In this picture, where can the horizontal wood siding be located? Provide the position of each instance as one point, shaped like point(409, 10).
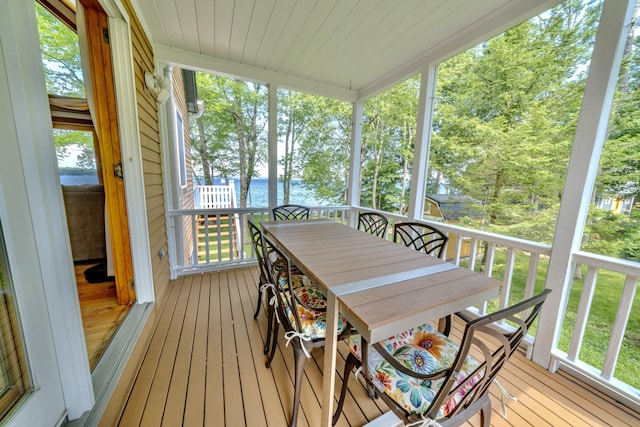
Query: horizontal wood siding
point(153, 186)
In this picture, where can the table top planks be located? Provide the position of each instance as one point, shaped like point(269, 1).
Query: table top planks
point(382, 286)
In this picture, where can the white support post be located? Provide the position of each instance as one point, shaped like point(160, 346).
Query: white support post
point(582, 170)
point(423, 142)
point(272, 166)
point(355, 161)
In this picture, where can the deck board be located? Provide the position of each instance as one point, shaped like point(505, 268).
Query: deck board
point(205, 366)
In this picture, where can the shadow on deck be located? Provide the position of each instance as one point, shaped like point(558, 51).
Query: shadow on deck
point(205, 366)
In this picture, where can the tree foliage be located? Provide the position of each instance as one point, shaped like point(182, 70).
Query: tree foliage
point(229, 139)
point(60, 55)
point(504, 122)
point(63, 76)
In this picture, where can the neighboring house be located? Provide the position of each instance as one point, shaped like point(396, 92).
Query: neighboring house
point(451, 207)
point(617, 204)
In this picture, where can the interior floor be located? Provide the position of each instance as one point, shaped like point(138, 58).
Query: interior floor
point(101, 314)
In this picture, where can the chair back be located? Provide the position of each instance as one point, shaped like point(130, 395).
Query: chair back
point(258, 248)
point(287, 212)
point(279, 274)
point(421, 237)
point(491, 340)
point(373, 223)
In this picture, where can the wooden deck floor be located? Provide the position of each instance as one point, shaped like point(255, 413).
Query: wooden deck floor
point(205, 366)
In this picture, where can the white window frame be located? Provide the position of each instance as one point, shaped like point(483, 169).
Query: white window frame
point(182, 166)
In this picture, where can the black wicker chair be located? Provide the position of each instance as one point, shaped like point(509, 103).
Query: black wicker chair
point(304, 332)
point(258, 248)
point(423, 376)
point(421, 237)
point(373, 223)
point(286, 212)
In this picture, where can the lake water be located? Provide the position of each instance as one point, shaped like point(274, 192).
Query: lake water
point(78, 179)
point(258, 190)
point(258, 193)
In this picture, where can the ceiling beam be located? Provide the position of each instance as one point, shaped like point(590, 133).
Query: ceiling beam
point(208, 64)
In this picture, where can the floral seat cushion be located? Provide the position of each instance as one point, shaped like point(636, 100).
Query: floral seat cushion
point(308, 294)
point(423, 350)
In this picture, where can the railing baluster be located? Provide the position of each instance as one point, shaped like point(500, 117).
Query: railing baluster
point(508, 277)
point(582, 315)
point(457, 249)
point(206, 238)
point(532, 275)
point(619, 326)
point(194, 239)
point(472, 254)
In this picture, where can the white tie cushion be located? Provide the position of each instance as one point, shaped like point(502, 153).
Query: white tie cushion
point(307, 293)
point(313, 317)
point(423, 350)
point(314, 323)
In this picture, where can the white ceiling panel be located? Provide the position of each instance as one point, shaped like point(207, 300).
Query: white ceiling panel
point(343, 46)
point(205, 13)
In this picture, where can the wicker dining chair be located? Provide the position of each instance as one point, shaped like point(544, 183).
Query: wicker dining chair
point(290, 211)
point(258, 249)
point(421, 237)
point(373, 223)
point(305, 328)
point(426, 378)
point(427, 239)
point(306, 294)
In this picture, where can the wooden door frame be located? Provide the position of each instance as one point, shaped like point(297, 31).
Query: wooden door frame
point(104, 104)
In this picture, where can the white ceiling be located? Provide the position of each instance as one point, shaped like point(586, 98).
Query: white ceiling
point(344, 48)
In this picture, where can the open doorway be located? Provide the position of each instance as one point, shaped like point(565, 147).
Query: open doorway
point(87, 150)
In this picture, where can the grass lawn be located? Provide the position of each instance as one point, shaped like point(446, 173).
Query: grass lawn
point(600, 320)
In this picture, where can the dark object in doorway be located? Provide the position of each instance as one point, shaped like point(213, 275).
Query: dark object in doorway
point(98, 273)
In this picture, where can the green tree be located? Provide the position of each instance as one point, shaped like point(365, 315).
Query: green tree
point(506, 112)
point(229, 139)
point(388, 138)
point(60, 55)
point(63, 77)
point(324, 151)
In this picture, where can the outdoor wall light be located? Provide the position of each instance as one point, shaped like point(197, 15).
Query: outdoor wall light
point(159, 85)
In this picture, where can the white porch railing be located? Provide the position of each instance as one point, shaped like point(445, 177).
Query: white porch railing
point(495, 255)
point(219, 197)
point(215, 196)
point(214, 245)
point(627, 273)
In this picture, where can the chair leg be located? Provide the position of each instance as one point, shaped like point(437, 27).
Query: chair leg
point(255, 315)
point(276, 326)
point(300, 360)
point(349, 364)
point(485, 412)
point(270, 322)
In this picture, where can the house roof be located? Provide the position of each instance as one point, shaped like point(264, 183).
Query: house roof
point(347, 49)
point(454, 207)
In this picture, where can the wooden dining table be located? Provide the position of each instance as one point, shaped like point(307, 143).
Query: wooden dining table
point(382, 288)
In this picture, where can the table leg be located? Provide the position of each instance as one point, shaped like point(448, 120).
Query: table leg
point(330, 350)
